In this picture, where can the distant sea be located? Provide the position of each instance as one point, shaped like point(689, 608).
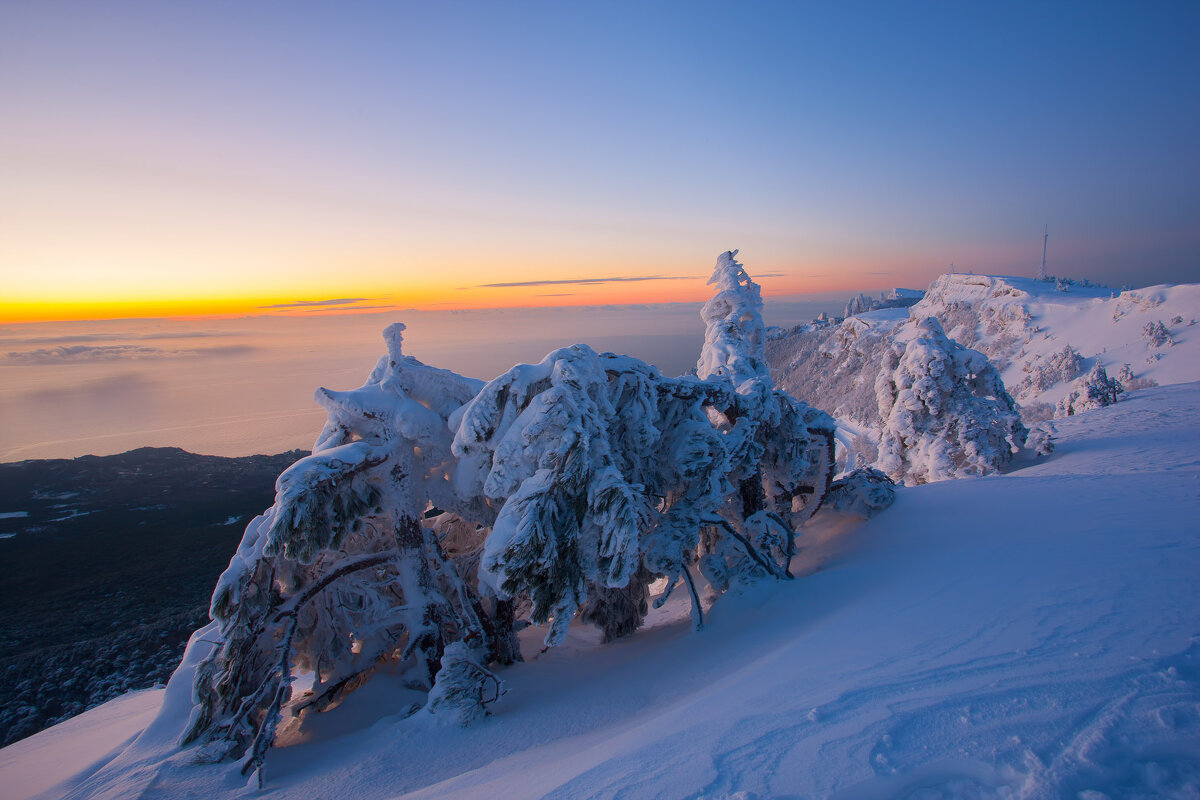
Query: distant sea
point(241, 386)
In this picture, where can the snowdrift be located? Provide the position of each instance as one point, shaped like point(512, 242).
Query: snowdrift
point(1027, 635)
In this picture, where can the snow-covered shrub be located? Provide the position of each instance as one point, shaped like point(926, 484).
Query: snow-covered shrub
point(1131, 382)
point(946, 412)
point(463, 689)
point(1041, 438)
point(1156, 334)
point(1094, 390)
point(1033, 413)
point(865, 491)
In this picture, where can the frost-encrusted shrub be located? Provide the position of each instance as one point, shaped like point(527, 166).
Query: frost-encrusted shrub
point(865, 491)
point(463, 689)
point(563, 487)
point(946, 412)
point(1156, 334)
point(1131, 382)
point(1041, 438)
point(1033, 413)
point(1094, 390)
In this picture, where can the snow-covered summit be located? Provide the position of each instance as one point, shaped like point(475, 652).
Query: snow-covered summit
point(1022, 324)
point(1043, 337)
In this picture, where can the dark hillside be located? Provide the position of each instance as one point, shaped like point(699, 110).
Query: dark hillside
point(106, 566)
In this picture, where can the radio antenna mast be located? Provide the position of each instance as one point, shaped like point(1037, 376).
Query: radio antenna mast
point(1045, 241)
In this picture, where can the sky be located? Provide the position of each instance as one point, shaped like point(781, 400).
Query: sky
point(302, 158)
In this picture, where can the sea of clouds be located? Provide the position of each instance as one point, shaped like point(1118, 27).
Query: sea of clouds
point(245, 385)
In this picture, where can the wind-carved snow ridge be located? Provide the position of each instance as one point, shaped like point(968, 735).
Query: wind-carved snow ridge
point(563, 489)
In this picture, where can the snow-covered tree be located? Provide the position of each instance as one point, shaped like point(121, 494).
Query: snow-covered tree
point(860, 304)
point(1094, 390)
point(945, 410)
point(1156, 334)
point(608, 473)
point(734, 333)
point(1130, 382)
point(603, 467)
point(1059, 366)
point(339, 577)
point(568, 485)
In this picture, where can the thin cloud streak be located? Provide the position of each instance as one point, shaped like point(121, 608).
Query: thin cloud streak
point(310, 303)
point(349, 310)
point(578, 281)
point(86, 354)
point(110, 337)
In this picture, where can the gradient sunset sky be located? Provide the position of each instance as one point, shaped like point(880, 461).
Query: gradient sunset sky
point(167, 158)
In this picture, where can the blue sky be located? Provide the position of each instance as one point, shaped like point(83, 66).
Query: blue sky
point(362, 149)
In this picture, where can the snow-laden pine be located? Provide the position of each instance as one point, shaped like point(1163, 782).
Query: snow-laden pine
point(1094, 390)
point(945, 411)
point(435, 508)
point(607, 473)
point(339, 577)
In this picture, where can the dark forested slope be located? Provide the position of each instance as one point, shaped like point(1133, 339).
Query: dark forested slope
point(106, 567)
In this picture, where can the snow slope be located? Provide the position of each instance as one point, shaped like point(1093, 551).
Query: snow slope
point(1028, 635)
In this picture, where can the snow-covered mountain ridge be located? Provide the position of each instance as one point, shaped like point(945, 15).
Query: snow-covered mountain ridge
point(1021, 324)
point(1040, 338)
point(1047, 651)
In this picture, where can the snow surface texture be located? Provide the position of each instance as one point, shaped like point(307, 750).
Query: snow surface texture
point(1032, 635)
point(1041, 340)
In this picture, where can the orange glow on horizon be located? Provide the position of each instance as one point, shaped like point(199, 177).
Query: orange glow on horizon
point(538, 290)
point(60, 310)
